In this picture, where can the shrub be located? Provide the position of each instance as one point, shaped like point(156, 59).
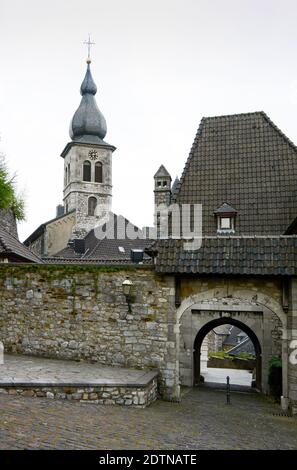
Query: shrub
point(8, 197)
point(275, 376)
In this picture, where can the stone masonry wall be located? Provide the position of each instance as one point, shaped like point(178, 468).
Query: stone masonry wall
point(136, 397)
point(80, 312)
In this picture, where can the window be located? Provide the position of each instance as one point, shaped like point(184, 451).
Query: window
point(66, 177)
point(225, 223)
point(225, 215)
point(68, 173)
point(92, 203)
point(98, 172)
point(87, 171)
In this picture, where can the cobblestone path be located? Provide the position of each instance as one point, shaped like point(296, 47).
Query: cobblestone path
point(201, 421)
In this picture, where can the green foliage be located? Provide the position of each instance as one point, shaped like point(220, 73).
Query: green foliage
point(275, 361)
point(8, 197)
point(245, 355)
point(224, 355)
point(220, 354)
point(275, 376)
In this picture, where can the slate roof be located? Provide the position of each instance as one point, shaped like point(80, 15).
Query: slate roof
point(105, 251)
point(225, 209)
point(162, 172)
point(261, 255)
point(231, 340)
point(244, 346)
point(245, 160)
point(14, 250)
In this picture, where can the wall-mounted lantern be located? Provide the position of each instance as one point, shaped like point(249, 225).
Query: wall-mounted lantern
point(127, 290)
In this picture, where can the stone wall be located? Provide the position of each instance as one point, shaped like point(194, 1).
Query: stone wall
point(136, 397)
point(80, 312)
point(253, 302)
point(291, 369)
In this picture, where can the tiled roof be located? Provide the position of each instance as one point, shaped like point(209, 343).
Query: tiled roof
point(245, 346)
point(245, 160)
point(225, 209)
point(162, 172)
point(261, 255)
point(108, 250)
point(14, 250)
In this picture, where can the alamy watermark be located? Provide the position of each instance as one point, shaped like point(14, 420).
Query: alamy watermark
point(293, 354)
point(174, 221)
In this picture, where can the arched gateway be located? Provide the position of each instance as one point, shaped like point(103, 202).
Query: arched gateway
point(260, 316)
point(222, 320)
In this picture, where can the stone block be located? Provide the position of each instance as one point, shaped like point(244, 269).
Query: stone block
point(28, 393)
point(1, 353)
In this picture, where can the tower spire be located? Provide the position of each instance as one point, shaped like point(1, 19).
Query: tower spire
point(88, 123)
point(89, 43)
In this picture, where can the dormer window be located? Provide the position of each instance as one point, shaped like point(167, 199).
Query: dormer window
point(225, 217)
point(225, 223)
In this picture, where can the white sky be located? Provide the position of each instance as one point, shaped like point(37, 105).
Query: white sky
point(160, 65)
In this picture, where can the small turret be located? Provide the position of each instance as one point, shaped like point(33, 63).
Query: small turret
point(162, 186)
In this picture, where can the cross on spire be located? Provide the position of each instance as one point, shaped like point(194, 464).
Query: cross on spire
point(89, 43)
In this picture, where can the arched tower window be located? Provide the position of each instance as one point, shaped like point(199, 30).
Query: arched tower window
point(98, 172)
point(66, 176)
point(87, 171)
point(68, 173)
point(92, 203)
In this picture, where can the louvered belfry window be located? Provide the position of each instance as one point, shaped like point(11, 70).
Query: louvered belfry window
point(87, 171)
point(98, 172)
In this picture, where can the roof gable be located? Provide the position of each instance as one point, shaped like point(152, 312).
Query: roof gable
point(246, 160)
point(14, 250)
point(162, 172)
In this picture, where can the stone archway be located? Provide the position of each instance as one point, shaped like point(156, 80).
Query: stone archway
point(254, 310)
point(223, 321)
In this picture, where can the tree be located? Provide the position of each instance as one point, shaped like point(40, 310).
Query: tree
point(8, 196)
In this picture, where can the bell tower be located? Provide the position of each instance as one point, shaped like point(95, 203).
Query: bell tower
point(87, 162)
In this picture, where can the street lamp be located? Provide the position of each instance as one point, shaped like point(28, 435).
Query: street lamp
point(127, 290)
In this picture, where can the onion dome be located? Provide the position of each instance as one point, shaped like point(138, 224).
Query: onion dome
point(88, 123)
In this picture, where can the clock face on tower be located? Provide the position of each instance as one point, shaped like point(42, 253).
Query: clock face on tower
point(93, 155)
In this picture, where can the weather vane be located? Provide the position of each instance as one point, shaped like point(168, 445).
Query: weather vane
point(89, 43)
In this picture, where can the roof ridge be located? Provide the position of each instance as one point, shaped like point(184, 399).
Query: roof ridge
point(281, 133)
point(190, 156)
point(251, 113)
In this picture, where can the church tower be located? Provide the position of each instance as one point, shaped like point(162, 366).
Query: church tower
point(87, 163)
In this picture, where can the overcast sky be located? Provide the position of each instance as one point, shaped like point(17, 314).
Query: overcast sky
point(159, 65)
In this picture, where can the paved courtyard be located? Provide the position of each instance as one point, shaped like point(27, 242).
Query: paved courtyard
point(201, 421)
point(33, 370)
point(238, 377)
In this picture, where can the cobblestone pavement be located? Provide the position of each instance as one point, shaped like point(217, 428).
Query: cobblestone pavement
point(201, 421)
